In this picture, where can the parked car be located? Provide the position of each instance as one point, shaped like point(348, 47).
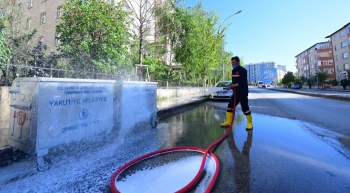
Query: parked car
point(260, 84)
point(221, 93)
point(295, 86)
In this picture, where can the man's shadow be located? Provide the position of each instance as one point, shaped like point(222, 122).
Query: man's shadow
point(241, 170)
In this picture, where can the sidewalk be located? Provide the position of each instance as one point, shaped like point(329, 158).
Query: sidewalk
point(327, 93)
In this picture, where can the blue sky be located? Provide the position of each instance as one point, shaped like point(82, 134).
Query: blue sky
point(277, 30)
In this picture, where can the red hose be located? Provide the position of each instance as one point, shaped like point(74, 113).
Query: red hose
point(195, 180)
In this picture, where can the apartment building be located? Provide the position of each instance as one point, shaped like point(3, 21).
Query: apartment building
point(340, 40)
point(316, 58)
point(267, 72)
point(44, 15)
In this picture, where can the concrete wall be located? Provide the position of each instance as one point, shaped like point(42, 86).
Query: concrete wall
point(4, 115)
point(163, 93)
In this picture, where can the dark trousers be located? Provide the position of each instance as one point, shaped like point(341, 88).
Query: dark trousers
point(242, 99)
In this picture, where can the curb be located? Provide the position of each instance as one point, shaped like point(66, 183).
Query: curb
point(175, 109)
point(336, 97)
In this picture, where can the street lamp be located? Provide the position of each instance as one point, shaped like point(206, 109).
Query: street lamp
point(222, 46)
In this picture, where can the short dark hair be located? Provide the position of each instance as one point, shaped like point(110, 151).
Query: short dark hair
point(236, 58)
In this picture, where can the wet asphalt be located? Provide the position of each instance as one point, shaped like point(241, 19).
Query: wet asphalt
point(278, 155)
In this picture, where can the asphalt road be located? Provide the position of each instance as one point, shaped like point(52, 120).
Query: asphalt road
point(281, 154)
point(331, 114)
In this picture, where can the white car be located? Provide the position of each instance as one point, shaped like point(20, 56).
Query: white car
point(221, 93)
point(260, 84)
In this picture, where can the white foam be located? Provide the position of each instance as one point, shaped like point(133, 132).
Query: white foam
point(167, 178)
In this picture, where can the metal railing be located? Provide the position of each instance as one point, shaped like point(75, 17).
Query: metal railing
point(164, 84)
point(35, 71)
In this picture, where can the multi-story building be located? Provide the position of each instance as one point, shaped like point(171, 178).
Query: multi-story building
point(316, 58)
point(340, 40)
point(267, 72)
point(44, 15)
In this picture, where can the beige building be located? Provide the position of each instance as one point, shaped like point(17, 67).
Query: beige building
point(340, 40)
point(44, 15)
point(315, 58)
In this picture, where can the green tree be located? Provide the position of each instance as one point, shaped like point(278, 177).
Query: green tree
point(303, 79)
point(5, 51)
point(15, 37)
point(321, 77)
point(94, 36)
point(288, 78)
point(156, 68)
point(228, 65)
point(200, 52)
point(172, 22)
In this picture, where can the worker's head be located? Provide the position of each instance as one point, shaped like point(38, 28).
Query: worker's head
point(235, 61)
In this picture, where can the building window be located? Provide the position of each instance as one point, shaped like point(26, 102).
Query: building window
point(345, 55)
point(334, 37)
point(18, 26)
point(349, 40)
point(57, 41)
point(59, 12)
point(30, 3)
point(336, 57)
point(41, 39)
point(20, 7)
point(348, 29)
point(148, 24)
point(43, 0)
point(28, 23)
point(148, 5)
point(126, 8)
point(342, 33)
point(346, 66)
point(343, 44)
point(42, 18)
point(335, 47)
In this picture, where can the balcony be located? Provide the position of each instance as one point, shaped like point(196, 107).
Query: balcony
point(324, 46)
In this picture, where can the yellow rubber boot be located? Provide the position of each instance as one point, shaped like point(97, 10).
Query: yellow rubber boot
point(229, 116)
point(249, 122)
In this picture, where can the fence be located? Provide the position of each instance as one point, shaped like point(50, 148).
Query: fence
point(34, 71)
point(164, 83)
